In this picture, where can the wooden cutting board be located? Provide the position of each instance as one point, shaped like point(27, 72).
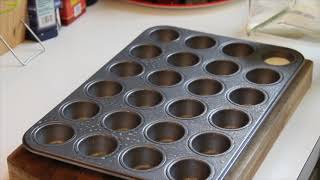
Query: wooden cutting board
point(11, 29)
point(24, 165)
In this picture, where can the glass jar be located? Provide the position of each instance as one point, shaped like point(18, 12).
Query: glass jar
point(289, 18)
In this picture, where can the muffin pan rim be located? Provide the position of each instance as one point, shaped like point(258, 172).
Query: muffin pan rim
point(191, 80)
point(77, 100)
point(211, 36)
point(76, 145)
point(91, 83)
point(149, 125)
point(199, 59)
point(38, 128)
point(229, 108)
point(170, 102)
point(162, 86)
point(151, 146)
point(113, 64)
point(194, 136)
point(204, 67)
point(164, 28)
point(170, 164)
point(105, 115)
point(263, 84)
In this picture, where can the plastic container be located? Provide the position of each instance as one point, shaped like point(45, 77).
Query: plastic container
point(71, 10)
point(290, 18)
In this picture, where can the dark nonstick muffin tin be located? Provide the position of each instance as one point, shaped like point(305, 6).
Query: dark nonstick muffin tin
point(174, 104)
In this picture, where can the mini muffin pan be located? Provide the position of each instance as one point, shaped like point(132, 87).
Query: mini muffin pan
point(174, 104)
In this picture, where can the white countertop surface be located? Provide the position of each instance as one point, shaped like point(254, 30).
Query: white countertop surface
point(28, 93)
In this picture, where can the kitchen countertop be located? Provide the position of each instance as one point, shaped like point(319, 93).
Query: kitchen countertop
point(28, 93)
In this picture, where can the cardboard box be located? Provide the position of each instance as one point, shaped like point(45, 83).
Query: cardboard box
point(11, 29)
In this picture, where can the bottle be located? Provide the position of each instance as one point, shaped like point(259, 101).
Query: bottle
point(57, 5)
point(42, 19)
point(91, 2)
point(71, 10)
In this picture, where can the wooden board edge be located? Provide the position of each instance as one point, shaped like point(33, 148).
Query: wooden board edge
point(47, 169)
point(251, 159)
